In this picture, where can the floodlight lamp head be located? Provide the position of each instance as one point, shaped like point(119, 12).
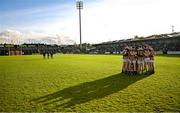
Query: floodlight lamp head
point(79, 4)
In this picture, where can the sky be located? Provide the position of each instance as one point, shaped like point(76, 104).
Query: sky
point(102, 20)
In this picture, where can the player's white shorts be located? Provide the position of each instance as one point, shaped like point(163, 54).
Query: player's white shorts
point(125, 60)
point(129, 61)
point(147, 60)
point(134, 61)
point(140, 62)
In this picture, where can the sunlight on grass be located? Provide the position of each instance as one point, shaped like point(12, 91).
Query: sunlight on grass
point(86, 83)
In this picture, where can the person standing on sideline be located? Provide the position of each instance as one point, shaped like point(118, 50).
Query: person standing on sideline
point(51, 53)
point(48, 54)
point(44, 54)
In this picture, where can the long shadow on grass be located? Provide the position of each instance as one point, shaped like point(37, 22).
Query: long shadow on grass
point(87, 91)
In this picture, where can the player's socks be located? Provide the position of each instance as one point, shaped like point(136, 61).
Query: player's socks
point(122, 71)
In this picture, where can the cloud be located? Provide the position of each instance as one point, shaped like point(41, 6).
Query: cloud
point(10, 36)
point(17, 37)
point(118, 19)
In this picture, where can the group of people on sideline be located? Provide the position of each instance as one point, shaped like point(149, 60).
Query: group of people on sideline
point(138, 60)
point(48, 53)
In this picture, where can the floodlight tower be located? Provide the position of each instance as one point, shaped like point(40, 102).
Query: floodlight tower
point(79, 5)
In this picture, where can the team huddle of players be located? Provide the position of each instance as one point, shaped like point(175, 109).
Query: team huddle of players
point(138, 60)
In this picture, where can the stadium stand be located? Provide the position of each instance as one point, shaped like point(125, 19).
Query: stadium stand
point(163, 43)
point(27, 49)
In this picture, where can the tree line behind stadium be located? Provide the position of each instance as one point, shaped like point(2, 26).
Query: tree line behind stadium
point(163, 44)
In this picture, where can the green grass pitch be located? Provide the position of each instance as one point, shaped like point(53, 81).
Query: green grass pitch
point(86, 83)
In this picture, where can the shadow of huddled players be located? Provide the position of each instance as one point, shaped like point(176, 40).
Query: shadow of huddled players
point(87, 91)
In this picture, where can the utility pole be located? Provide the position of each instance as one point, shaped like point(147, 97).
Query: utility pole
point(79, 5)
